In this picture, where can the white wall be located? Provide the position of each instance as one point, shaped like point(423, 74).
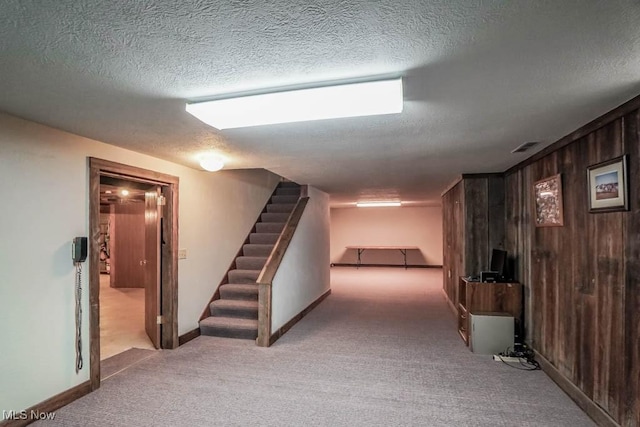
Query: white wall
point(303, 275)
point(44, 194)
point(390, 226)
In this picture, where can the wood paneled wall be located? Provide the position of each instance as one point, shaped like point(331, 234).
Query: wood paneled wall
point(453, 240)
point(474, 224)
point(582, 280)
point(485, 220)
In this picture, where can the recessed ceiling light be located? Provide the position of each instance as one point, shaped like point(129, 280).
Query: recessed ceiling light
point(378, 204)
point(211, 162)
point(124, 192)
point(108, 191)
point(326, 102)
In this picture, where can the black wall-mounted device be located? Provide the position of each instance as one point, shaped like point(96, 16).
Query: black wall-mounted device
point(79, 249)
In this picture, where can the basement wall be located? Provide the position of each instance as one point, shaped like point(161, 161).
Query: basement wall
point(582, 280)
point(391, 226)
point(303, 275)
point(44, 193)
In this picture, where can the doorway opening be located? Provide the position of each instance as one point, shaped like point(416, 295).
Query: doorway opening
point(133, 252)
point(124, 215)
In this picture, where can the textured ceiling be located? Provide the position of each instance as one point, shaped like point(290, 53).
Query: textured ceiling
point(480, 76)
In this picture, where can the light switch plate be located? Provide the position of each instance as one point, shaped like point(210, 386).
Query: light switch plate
point(182, 254)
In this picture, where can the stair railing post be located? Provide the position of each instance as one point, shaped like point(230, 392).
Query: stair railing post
point(264, 315)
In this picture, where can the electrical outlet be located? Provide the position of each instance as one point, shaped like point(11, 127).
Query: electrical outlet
point(507, 359)
point(182, 254)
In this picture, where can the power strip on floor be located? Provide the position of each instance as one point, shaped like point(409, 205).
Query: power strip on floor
point(508, 359)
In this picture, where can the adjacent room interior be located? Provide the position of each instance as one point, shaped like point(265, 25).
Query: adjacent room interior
point(122, 253)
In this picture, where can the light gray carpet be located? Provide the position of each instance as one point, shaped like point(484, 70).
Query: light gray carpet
point(122, 361)
point(382, 350)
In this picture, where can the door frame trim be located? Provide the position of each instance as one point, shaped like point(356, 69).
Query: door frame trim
point(169, 254)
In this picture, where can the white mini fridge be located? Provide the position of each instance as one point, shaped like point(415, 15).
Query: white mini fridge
point(491, 333)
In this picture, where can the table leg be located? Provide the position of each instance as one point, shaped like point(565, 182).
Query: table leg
point(359, 260)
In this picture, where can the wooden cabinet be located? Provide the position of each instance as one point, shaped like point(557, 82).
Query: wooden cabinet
point(479, 297)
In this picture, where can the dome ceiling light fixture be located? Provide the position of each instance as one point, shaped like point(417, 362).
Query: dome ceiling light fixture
point(211, 162)
point(317, 103)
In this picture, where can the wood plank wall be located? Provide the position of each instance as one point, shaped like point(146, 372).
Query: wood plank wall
point(473, 225)
point(452, 239)
point(582, 280)
point(631, 403)
point(485, 220)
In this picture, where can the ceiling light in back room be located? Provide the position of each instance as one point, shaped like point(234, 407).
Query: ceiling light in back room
point(378, 204)
point(318, 103)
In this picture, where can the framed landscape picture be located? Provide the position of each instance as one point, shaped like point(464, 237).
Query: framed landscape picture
point(608, 185)
point(548, 202)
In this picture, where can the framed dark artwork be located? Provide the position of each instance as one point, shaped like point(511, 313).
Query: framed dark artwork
point(607, 181)
point(548, 202)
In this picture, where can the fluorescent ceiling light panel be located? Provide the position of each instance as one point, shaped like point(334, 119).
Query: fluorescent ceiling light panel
point(330, 102)
point(378, 204)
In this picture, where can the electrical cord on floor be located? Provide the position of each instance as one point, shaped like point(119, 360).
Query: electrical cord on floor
point(526, 358)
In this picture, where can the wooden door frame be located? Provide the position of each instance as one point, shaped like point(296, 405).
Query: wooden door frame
point(169, 254)
point(153, 218)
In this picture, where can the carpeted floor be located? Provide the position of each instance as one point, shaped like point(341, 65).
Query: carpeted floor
point(121, 361)
point(382, 350)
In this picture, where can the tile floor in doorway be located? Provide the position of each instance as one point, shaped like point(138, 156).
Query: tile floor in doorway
point(121, 319)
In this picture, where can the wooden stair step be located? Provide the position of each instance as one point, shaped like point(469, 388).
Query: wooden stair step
point(239, 291)
point(264, 238)
point(243, 276)
point(257, 249)
point(234, 308)
point(251, 262)
point(284, 199)
point(274, 217)
point(229, 327)
point(280, 207)
point(270, 227)
point(288, 191)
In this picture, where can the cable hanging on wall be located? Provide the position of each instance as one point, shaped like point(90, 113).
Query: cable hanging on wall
point(79, 255)
point(78, 341)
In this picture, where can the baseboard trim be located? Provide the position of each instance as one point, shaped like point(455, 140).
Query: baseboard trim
point(339, 264)
point(280, 332)
point(594, 411)
point(188, 336)
point(452, 306)
point(47, 407)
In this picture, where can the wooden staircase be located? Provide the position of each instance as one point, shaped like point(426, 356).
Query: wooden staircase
point(235, 313)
